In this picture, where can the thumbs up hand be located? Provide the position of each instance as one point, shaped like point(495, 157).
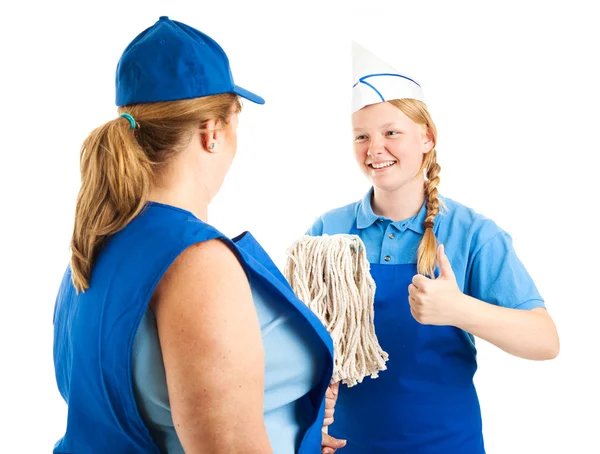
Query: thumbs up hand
point(434, 301)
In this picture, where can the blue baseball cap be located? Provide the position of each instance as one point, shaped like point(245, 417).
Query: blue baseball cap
point(171, 61)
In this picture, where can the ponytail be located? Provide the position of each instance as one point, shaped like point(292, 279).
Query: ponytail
point(116, 176)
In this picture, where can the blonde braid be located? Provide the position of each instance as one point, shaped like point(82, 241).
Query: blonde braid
point(427, 253)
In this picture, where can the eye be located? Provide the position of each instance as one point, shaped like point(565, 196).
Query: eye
point(392, 133)
point(360, 138)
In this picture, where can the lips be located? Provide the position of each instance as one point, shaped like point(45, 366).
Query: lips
point(381, 164)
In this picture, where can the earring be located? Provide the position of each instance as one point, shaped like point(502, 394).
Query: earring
point(211, 146)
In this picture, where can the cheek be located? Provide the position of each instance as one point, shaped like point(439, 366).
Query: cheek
point(233, 143)
point(407, 152)
point(360, 153)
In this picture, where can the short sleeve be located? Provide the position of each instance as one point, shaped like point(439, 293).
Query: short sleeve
point(316, 229)
point(497, 276)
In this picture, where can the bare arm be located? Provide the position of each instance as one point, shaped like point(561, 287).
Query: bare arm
point(212, 351)
point(529, 334)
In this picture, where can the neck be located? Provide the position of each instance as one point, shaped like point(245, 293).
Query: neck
point(183, 189)
point(400, 203)
point(197, 205)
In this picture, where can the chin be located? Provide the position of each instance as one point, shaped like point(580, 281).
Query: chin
point(388, 186)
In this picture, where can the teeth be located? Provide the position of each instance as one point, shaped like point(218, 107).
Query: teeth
point(381, 165)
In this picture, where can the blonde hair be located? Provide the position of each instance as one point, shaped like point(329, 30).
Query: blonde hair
point(119, 166)
point(427, 253)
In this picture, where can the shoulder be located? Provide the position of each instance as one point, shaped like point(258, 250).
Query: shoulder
point(465, 224)
point(164, 224)
point(207, 262)
point(165, 238)
point(337, 220)
point(208, 268)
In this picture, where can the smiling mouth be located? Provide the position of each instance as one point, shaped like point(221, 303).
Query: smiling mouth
point(381, 165)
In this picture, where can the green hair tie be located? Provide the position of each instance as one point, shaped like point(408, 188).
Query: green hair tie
point(132, 123)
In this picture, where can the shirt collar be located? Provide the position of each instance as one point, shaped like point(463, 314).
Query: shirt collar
point(416, 223)
point(365, 217)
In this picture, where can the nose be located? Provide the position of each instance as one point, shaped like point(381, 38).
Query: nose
point(376, 146)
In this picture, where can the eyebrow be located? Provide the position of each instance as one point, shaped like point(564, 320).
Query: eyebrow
point(385, 126)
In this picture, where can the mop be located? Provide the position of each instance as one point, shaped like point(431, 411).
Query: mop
point(330, 274)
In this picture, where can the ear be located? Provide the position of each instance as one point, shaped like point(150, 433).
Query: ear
point(428, 142)
point(209, 136)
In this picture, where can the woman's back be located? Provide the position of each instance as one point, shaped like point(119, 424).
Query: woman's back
point(104, 319)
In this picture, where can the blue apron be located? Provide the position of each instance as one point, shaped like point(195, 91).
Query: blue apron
point(425, 402)
point(94, 333)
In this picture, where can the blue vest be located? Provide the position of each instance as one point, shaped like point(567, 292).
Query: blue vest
point(94, 331)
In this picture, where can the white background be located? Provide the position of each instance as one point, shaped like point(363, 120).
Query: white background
point(512, 87)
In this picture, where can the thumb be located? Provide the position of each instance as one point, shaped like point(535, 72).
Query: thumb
point(445, 267)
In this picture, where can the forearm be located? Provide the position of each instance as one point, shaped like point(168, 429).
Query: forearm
point(529, 334)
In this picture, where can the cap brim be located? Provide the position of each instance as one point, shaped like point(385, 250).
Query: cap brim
point(248, 95)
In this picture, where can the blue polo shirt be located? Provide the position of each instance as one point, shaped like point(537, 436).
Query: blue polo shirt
point(481, 253)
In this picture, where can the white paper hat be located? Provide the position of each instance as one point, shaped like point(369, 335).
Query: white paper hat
point(376, 81)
